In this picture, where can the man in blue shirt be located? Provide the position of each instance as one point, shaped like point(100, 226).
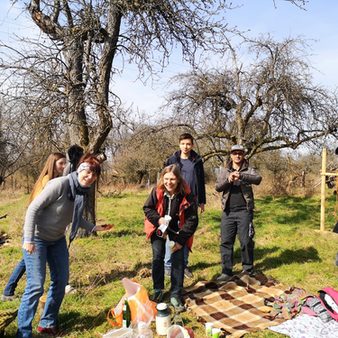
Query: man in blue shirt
point(192, 170)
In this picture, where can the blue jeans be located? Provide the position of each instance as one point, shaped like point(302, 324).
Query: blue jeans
point(55, 253)
point(167, 257)
point(16, 275)
point(177, 267)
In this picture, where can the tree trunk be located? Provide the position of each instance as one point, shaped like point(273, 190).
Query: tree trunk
point(78, 129)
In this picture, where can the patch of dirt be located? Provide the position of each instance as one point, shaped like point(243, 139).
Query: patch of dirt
point(144, 273)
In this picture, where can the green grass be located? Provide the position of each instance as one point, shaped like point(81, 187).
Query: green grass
point(289, 247)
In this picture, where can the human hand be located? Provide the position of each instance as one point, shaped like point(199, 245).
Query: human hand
point(164, 220)
point(233, 176)
point(202, 207)
point(29, 247)
point(103, 227)
point(176, 247)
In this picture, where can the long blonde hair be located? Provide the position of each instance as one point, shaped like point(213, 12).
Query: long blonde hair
point(48, 170)
point(172, 168)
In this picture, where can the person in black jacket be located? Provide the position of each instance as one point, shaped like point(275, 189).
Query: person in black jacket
point(235, 183)
point(74, 153)
point(171, 212)
point(192, 170)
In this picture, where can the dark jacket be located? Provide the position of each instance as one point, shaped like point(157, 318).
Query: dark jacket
point(182, 208)
point(248, 176)
point(198, 171)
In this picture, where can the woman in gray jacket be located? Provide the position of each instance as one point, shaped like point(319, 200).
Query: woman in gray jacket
point(60, 203)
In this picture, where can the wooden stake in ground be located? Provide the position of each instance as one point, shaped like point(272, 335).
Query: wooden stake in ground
point(322, 191)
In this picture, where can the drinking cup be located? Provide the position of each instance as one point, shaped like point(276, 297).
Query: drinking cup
point(208, 329)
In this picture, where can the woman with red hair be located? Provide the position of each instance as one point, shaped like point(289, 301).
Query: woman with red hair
point(61, 202)
point(53, 168)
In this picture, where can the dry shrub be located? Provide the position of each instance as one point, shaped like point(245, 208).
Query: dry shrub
point(288, 174)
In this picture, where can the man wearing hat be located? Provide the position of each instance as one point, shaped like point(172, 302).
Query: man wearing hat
point(235, 183)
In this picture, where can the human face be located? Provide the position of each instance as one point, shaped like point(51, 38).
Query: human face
point(86, 178)
point(185, 147)
point(170, 182)
point(59, 166)
point(237, 157)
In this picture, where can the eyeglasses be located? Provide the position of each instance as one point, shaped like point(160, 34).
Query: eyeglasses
point(237, 153)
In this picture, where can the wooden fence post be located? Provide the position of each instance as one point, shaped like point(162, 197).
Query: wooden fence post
point(322, 191)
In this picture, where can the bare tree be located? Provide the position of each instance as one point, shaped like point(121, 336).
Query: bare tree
point(66, 73)
point(27, 135)
point(74, 65)
point(143, 152)
point(266, 104)
point(299, 3)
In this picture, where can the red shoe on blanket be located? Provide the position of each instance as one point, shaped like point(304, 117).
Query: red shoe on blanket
point(51, 331)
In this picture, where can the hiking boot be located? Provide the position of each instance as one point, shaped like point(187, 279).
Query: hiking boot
point(50, 331)
point(157, 297)
point(223, 277)
point(250, 272)
point(5, 298)
point(177, 304)
point(188, 273)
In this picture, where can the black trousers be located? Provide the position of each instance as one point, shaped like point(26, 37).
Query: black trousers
point(233, 223)
point(177, 267)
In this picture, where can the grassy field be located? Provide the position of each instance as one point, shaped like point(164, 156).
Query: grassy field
point(289, 247)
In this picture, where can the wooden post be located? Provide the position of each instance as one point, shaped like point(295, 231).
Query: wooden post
point(322, 192)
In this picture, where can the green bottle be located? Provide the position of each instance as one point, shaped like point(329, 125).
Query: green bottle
point(126, 315)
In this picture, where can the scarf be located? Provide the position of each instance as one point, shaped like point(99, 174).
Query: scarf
point(77, 193)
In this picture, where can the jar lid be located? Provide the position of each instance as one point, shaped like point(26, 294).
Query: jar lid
point(162, 306)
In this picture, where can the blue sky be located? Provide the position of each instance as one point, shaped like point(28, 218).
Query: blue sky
point(318, 23)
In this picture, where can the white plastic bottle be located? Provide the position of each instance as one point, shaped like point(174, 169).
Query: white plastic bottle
point(162, 319)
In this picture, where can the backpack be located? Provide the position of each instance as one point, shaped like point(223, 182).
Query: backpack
point(331, 309)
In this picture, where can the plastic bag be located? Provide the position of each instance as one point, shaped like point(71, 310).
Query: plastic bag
point(177, 331)
point(143, 331)
point(142, 309)
point(119, 333)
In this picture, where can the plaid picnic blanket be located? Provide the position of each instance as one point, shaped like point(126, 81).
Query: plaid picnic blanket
point(236, 306)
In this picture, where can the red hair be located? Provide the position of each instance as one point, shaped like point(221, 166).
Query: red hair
point(94, 163)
